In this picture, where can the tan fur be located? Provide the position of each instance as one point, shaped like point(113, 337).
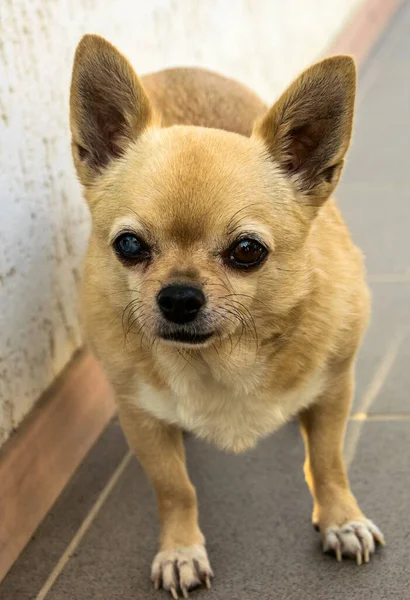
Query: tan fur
point(287, 332)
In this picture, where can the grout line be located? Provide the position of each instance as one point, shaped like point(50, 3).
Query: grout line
point(380, 417)
point(373, 67)
point(85, 525)
point(370, 395)
point(381, 374)
point(389, 278)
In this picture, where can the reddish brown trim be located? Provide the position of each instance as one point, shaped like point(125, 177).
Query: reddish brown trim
point(37, 462)
point(363, 28)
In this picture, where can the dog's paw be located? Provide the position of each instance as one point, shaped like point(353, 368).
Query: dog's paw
point(357, 539)
point(181, 570)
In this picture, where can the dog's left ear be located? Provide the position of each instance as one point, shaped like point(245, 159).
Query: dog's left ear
point(307, 132)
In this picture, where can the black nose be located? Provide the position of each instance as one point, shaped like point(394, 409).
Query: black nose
point(180, 303)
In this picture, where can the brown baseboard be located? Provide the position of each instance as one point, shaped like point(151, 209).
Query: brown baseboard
point(363, 28)
point(37, 462)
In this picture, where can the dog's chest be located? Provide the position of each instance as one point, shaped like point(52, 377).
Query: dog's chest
point(231, 418)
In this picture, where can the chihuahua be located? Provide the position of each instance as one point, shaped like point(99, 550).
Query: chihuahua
point(221, 292)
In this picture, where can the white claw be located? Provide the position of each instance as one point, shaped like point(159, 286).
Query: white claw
point(376, 533)
point(174, 593)
point(356, 539)
point(184, 592)
point(181, 569)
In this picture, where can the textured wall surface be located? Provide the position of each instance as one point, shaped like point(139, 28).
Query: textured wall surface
point(43, 222)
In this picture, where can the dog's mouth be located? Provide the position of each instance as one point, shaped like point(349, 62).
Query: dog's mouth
point(186, 337)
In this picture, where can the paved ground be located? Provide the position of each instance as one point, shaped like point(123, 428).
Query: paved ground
point(255, 510)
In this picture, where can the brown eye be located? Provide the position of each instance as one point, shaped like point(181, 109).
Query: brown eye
point(247, 253)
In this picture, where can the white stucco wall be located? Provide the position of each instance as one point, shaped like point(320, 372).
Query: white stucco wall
point(43, 222)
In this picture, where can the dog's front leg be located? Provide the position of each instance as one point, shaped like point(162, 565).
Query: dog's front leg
point(344, 528)
point(182, 562)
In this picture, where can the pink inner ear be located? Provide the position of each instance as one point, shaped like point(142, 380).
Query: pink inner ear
point(113, 131)
point(302, 141)
point(110, 121)
point(103, 129)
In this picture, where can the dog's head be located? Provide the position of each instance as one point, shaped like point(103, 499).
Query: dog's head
point(199, 234)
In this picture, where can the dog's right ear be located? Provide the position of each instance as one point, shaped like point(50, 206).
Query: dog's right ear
point(108, 107)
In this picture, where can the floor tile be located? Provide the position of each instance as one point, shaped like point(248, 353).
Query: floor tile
point(389, 327)
point(255, 511)
point(27, 576)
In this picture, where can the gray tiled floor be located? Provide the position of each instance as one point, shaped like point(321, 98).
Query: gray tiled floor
point(255, 509)
point(375, 189)
point(390, 325)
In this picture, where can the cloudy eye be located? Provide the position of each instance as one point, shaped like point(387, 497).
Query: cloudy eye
point(246, 253)
point(130, 248)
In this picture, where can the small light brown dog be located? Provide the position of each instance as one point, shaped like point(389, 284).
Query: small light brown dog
point(222, 292)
